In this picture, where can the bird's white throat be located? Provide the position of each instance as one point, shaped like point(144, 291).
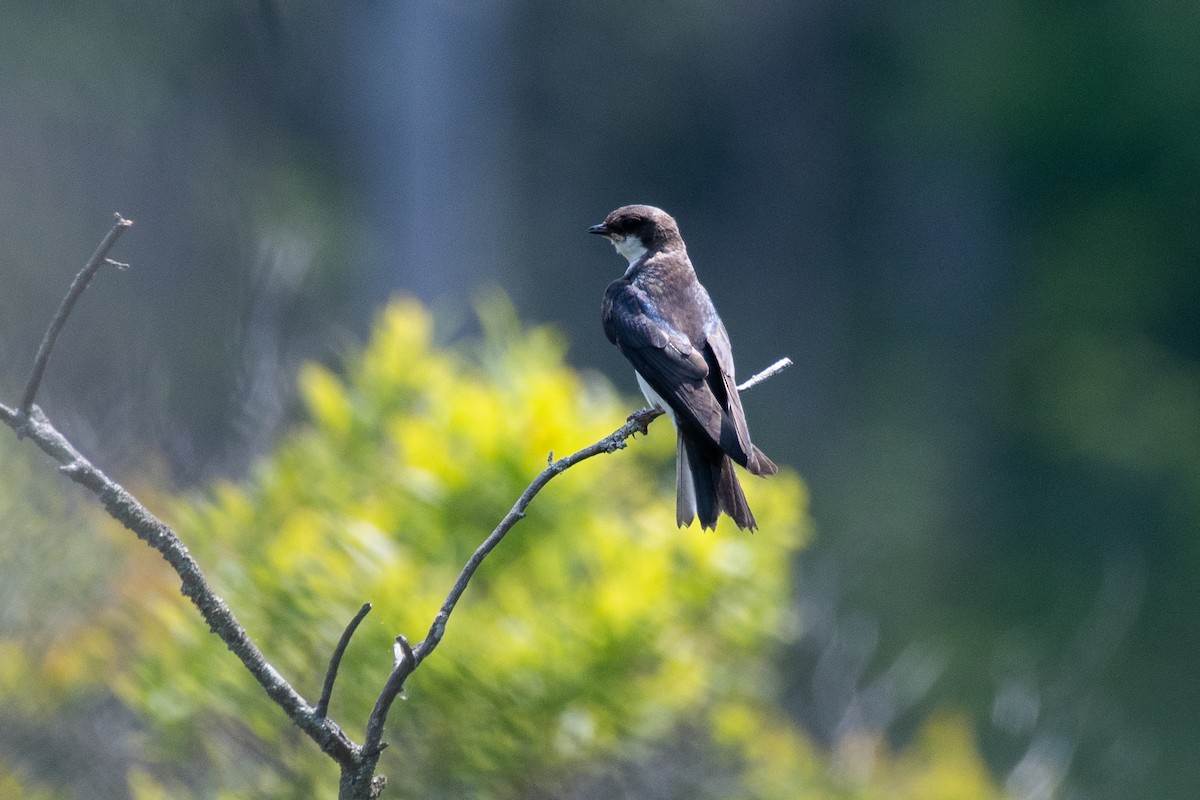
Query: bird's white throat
point(629, 246)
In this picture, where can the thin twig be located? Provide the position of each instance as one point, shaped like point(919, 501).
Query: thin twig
point(98, 259)
point(770, 372)
point(336, 660)
point(609, 444)
point(412, 657)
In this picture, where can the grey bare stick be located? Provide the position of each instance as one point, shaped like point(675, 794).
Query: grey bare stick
point(98, 259)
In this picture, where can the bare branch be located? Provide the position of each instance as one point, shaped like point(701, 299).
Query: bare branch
point(411, 658)
point(638, 422)
point(334, 662)
point(98, 259)
point(125, 508)
point(609, 444)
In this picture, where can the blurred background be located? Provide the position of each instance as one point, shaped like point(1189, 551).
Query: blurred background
point(972, 226)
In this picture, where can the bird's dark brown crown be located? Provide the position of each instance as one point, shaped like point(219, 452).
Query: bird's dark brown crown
point(652, 226)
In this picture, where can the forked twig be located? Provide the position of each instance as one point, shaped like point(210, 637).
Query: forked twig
point(98, 259)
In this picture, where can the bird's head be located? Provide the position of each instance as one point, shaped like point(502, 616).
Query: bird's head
point(634, 230)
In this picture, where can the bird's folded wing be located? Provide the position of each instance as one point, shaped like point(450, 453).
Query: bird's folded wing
point(735, 417)
point(665, 358)
point(663, 355)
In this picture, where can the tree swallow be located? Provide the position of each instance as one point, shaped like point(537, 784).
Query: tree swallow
point(661, 318)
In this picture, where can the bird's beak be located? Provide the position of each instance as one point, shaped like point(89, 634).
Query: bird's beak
point(600, 229)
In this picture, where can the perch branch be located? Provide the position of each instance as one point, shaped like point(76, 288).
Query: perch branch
point(98, 259)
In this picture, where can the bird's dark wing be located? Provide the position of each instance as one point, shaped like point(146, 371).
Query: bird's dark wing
point(665, 358)
point(735, 434)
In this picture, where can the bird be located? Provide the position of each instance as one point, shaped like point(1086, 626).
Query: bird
point(663, 321)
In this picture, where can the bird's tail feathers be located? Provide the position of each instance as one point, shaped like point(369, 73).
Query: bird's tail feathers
point(706, 485)
point(730, 496)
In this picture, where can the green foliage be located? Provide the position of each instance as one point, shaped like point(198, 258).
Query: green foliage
point(60, 640)
point(13, 785)
point(41, 627)
point(597, 633)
